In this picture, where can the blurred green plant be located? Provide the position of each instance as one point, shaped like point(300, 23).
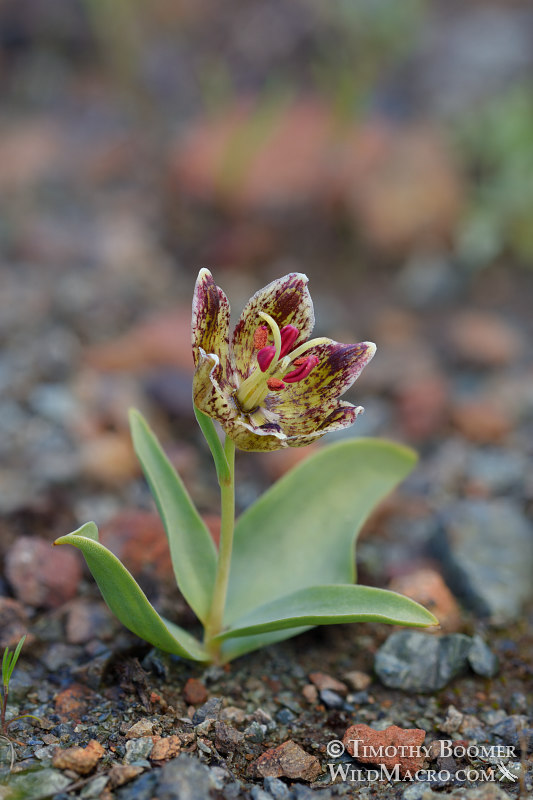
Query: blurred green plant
point(9, 662)
point(361, 38)
point(496, 144)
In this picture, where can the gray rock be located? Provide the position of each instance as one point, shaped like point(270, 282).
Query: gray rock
point(209, 710)
point(421, 662)
point(486, 549)
point(138, 750)
point(276, 788)
point(429, 280)
point(497, 469)
point(418, 791)
point(255, 732)
point(184, 778)
point(285, 716)
point(331, 699)
point(256, 793)
point(142, 788)
point(94, 788)
point(38, 784)
point(512, 730)
point(481, 658)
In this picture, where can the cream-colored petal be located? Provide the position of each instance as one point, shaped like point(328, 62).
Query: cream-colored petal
point(216, 401)
point(210, 321)
point(211, 394)
point(342, 417)
point(302, 407)
point(266, 438)
point(288, 302)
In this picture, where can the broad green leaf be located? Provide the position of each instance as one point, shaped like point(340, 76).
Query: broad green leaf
point(126, 599)
point(302, 531)
point(192, 549)
point(331, 605)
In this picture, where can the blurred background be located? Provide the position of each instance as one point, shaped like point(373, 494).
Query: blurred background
point(384, 148)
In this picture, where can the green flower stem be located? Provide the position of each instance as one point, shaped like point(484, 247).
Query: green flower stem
point(227, 523)
point(215, 445)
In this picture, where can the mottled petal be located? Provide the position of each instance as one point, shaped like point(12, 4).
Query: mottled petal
point(210, 321)
point(342, 417)
point(288, 302)
point(217, 402)
point(266, 438)
point(210, 394)
point(302, 407)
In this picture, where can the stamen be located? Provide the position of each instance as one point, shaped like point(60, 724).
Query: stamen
point(289, 334)
point(260, 337)
point(307, 345)
point(275, 385)
point(302, 371)
point(274, 327)
point(265, 356)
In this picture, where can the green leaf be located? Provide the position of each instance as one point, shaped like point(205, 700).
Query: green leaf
point(192, 549)
point(126, 599)
point(14, 658)
point(331, 605)
point(302, 532)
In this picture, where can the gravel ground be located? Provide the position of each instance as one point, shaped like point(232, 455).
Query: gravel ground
point(100, 251)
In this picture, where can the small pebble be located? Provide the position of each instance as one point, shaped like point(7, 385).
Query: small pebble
point(331, 699)
point(481, 658)
point(194, 692)
point(421, 662)
point(209, 710)
point(285, 716)
point(276, 788)
point(139, 750)
point(358, 680)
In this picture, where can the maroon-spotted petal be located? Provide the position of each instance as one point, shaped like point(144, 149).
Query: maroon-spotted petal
point(210, 321)
point(288, 302)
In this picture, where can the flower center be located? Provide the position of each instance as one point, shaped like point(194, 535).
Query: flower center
point(273, 363)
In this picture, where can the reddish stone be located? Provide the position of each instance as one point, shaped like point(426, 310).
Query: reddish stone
point(390, 747)
point(484, 339)
point(42, 576)
point(482, 422)
point(109, 458)
point(13, 623)
point(79, 759)
point(310, 693)
point(404, 187)
point(324, 681)
point(358, 680)
point(165, 747)
point(423, 406)
point(28, 151)
point(164, 340)
point(122, 773)
point(74, 702)
point(88, 620)
point(399, 184)
point(131, 535)
point(194, 692)
point(427, 587)
point(288, 760)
